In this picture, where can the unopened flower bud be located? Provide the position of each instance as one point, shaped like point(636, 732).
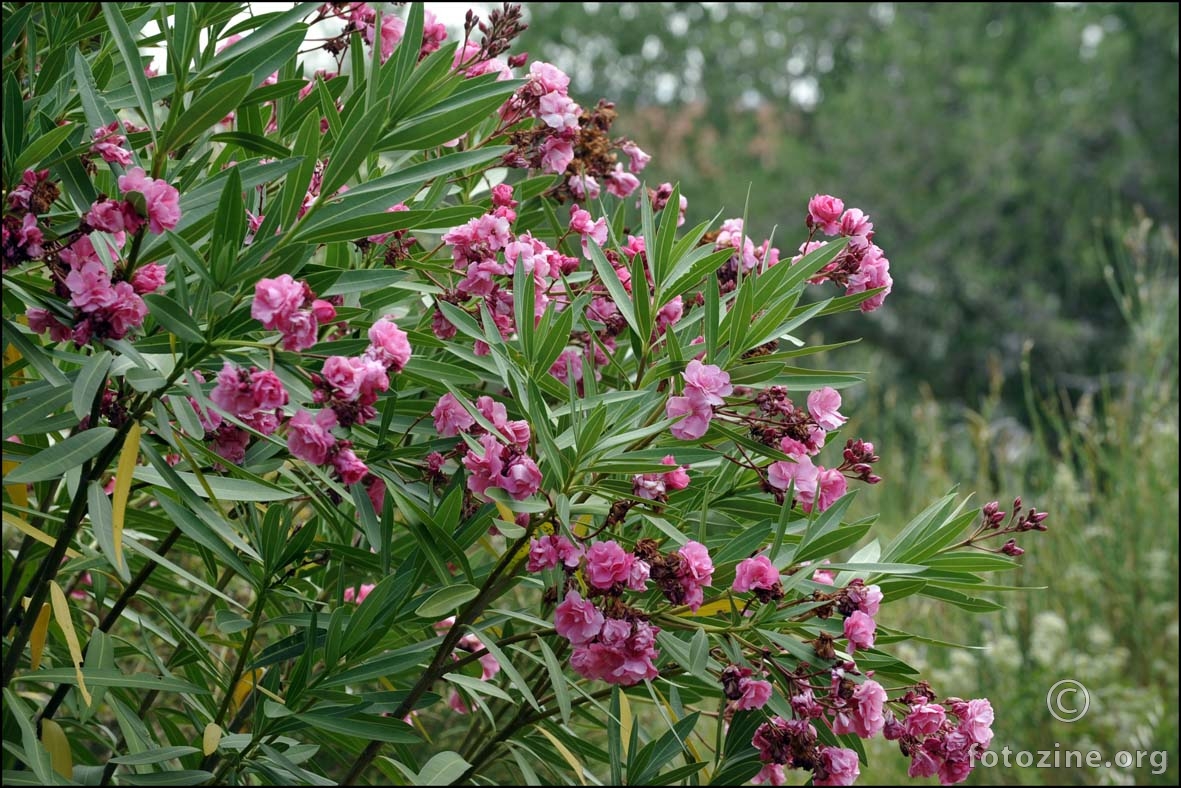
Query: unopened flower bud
point(1012, 549)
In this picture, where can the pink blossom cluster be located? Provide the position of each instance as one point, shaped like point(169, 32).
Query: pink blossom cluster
point(861, 265)
point(862, 713)
point(746, 692)
point(747, 256)
point(393, 27)
point(705, 386)
point(161, 200)
point(310, 438)
point(111, 145)
point(23, 238)
point(548, 551)
point(790, 744)
point(104, 307)
point(815, 486)
point(350, 385)
point(253, 396)
point(662, 194)
point(618, 650)
point(545, 96)
point(655, 486)
point(504, 461)
point(609, 565)
point(468, 60)
point(692, 574)
point(290, 307)
point(936, 745)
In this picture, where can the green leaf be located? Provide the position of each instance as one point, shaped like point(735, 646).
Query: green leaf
point(90, 378)
point(101, 523)
point(154, 756)
point(443, 768)
point(182, 777)
point(253, 143)
point(62, 456)
point(205, 111)
point(128, 48)
point(38, 149)
point(615, 287)
point(114, 678)
point(352, 149)
point(223, 487)
point(363, 727)
point(443, 601)
point(171, 316)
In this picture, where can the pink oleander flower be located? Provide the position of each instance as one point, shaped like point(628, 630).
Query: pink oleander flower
point(824, 405)
point(922, 762)
point(669, 314)
point(831, 485)
point(434, 33)
point(976, 721)
point(577, 619)
point(90, 287)
point(770, 774)
point(757, 572)
point(869, 699)
point(711, 381)
point(824, 211)
point(309, 437)
point(582, 223)
point(860, 629)
point(451, 417)
point(547, 552)
point(162, 201)
point(584, 187)
point(484, 470)
point(755, 694)
point(855, 223)
point(607, 564)
point(678, 478)
point(802, 473)
point(389, 344)
point(357, 595)
point(637, 158)
point(697, 412)
point(349, 466)
point(234, 392)
point(342, 375)
point(43, 321)
point(621, 183)
point(267, 390)
point(276, 300)
point(556, 154)
point(837, 766)
point(873, 273)
point(867, 598)
point(323, 311)
point(521, 477)
point(695, 572)
point(148, 278)
point(926, 718)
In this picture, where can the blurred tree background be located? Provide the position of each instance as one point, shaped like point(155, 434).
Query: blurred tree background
point(986, 141)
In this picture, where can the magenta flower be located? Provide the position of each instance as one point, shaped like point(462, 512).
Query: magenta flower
point(695, 572)
point(926, 718)
point(276, 300)
point(831, 485)
point(860, 629)
point(869, 699)
point(357, 596)
point(824, 211)
point(757, 572)
point(484, 470)
point(696, 410)
point(90, 287)
point(678, 478)
point(161, 200)
point(309, 437)
point(755, 694)
point(607, 564)
point(148, 278)
point(451, 418)
point(837, 766)
point(389, 344)
point(709, 380)
point(348, 466)
point(976, 721)
point(521, 478)
point(549, 551)
point(234, 392)
point(824, 405)
point(577, 619)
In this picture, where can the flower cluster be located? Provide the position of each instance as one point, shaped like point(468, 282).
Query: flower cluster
point(655, 486)
point(861, 265)
point(617, 647)
point(746, 692)
point(111, 145)
point(936, 745)
point(350, 386)
point(747, 258)
point(290, 307)
point(705, 387)
point(253, 396)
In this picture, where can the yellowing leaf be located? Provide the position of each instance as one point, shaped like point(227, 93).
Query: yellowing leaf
point(243, 688)
point(61, 612)
point(506, 513)
point(54, 739)
point(123, 474)
point(570, 757)
point(712, 609)
point(19, 524)
point(581, 523)
point(18, 493)
point(37, 637)
point(625, 721)
point(210, 738)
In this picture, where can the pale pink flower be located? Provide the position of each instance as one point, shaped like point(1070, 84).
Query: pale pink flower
point(755, 694)
point(521, 478)
point(484, 470)
point(161, 200)
point(869, 699)
point(148, 278)
point(638, 159)
point(451, 418)
point(837, 766)
point(976, 722)
point(770, 774)
point(556, 154)
point(824, 405)
point(349, 466)
point(824, 211)
point(621, 183)
point(607, 564)
point(678, 478)
point(309, 437)
point(577, 619)
point(860, 629)
point(709, 380)
point(924, 719)
point(276, 300)
point(830, 486)
point(757, 572)
point(357, 595)
point(696, 410)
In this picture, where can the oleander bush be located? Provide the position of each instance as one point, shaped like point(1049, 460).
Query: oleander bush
point(381, 424)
